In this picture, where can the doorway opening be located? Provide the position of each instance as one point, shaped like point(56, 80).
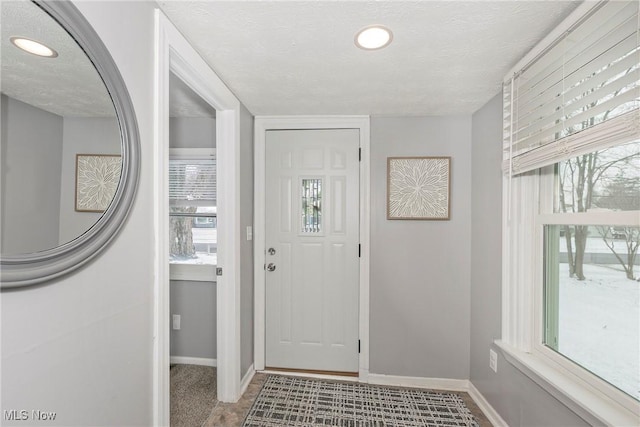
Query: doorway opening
point(192, 255)
point(174, 55)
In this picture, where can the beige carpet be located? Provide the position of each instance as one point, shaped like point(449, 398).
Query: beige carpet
point(193, 394)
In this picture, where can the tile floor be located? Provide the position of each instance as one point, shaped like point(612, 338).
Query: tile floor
point(233, 414)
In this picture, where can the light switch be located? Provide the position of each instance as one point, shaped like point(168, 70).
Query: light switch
point(176, 321)
point(249, 233)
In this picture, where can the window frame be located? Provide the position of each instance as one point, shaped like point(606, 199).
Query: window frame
point(524, 212)
point(546, 216)
point(192, 272)
point(529, 199)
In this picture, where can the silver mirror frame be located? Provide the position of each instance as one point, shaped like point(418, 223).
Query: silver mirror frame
point(36, 268)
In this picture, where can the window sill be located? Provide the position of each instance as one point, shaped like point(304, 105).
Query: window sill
point(192, 272)
point(583, 399)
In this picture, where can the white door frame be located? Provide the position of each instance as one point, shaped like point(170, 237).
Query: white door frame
point(173, 53)
point(262, 125)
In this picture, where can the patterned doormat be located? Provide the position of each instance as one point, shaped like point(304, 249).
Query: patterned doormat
point(288, 401)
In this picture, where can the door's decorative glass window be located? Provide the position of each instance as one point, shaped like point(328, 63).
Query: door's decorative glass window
point(311, 205)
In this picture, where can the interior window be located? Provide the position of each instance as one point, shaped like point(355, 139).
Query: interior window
point(193, 215)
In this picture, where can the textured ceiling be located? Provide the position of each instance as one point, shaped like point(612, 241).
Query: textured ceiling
point(67, 85)
point(284, 57)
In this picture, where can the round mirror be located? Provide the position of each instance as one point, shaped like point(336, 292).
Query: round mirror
point(69, 140)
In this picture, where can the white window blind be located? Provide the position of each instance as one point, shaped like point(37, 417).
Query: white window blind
point(192, 182)
point(579, 95)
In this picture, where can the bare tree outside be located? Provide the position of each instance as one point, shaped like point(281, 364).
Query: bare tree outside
point(582, 179)
point(181, 236)
point(607, 179)
point(622, 193)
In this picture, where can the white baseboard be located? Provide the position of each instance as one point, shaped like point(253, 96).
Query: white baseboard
point(363, 375)
point(193, 361)
point(491, 414)
point(247, 379)
point(420, 382)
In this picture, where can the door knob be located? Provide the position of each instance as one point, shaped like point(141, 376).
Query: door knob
point(271, 251)
point(271, 266)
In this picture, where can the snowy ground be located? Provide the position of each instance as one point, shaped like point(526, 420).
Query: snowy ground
point(599, 325)
point(201, 258)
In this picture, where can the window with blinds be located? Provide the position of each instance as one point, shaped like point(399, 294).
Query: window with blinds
point(192, 208)
point(192, 182)
point(572, 225)
point(580, 95)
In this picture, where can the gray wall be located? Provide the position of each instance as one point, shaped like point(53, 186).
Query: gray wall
point(519, 400)
point(419, 322)
point(246, 247)
point(82, 135)
point(82, 345)
point(31, 164)
point(195, 302)
point(40, 177)
point(192, 132)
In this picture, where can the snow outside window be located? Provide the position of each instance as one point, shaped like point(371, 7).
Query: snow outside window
point(591, 270)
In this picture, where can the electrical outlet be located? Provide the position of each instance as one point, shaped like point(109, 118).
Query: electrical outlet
point(493, 360)
point(176, 321)
point(249, 233)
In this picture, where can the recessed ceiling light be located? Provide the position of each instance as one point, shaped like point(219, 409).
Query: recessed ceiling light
point(373, 37)
point(33, 47)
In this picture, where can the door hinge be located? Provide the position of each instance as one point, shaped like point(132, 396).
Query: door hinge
point(359, 250)
point(359, 154)
point(358, 346)
point(219, 271)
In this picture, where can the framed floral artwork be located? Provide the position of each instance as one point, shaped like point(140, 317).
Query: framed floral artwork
point(97, 178)
point(418, 188)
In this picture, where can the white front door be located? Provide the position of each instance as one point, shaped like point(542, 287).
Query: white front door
point(312, 249)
